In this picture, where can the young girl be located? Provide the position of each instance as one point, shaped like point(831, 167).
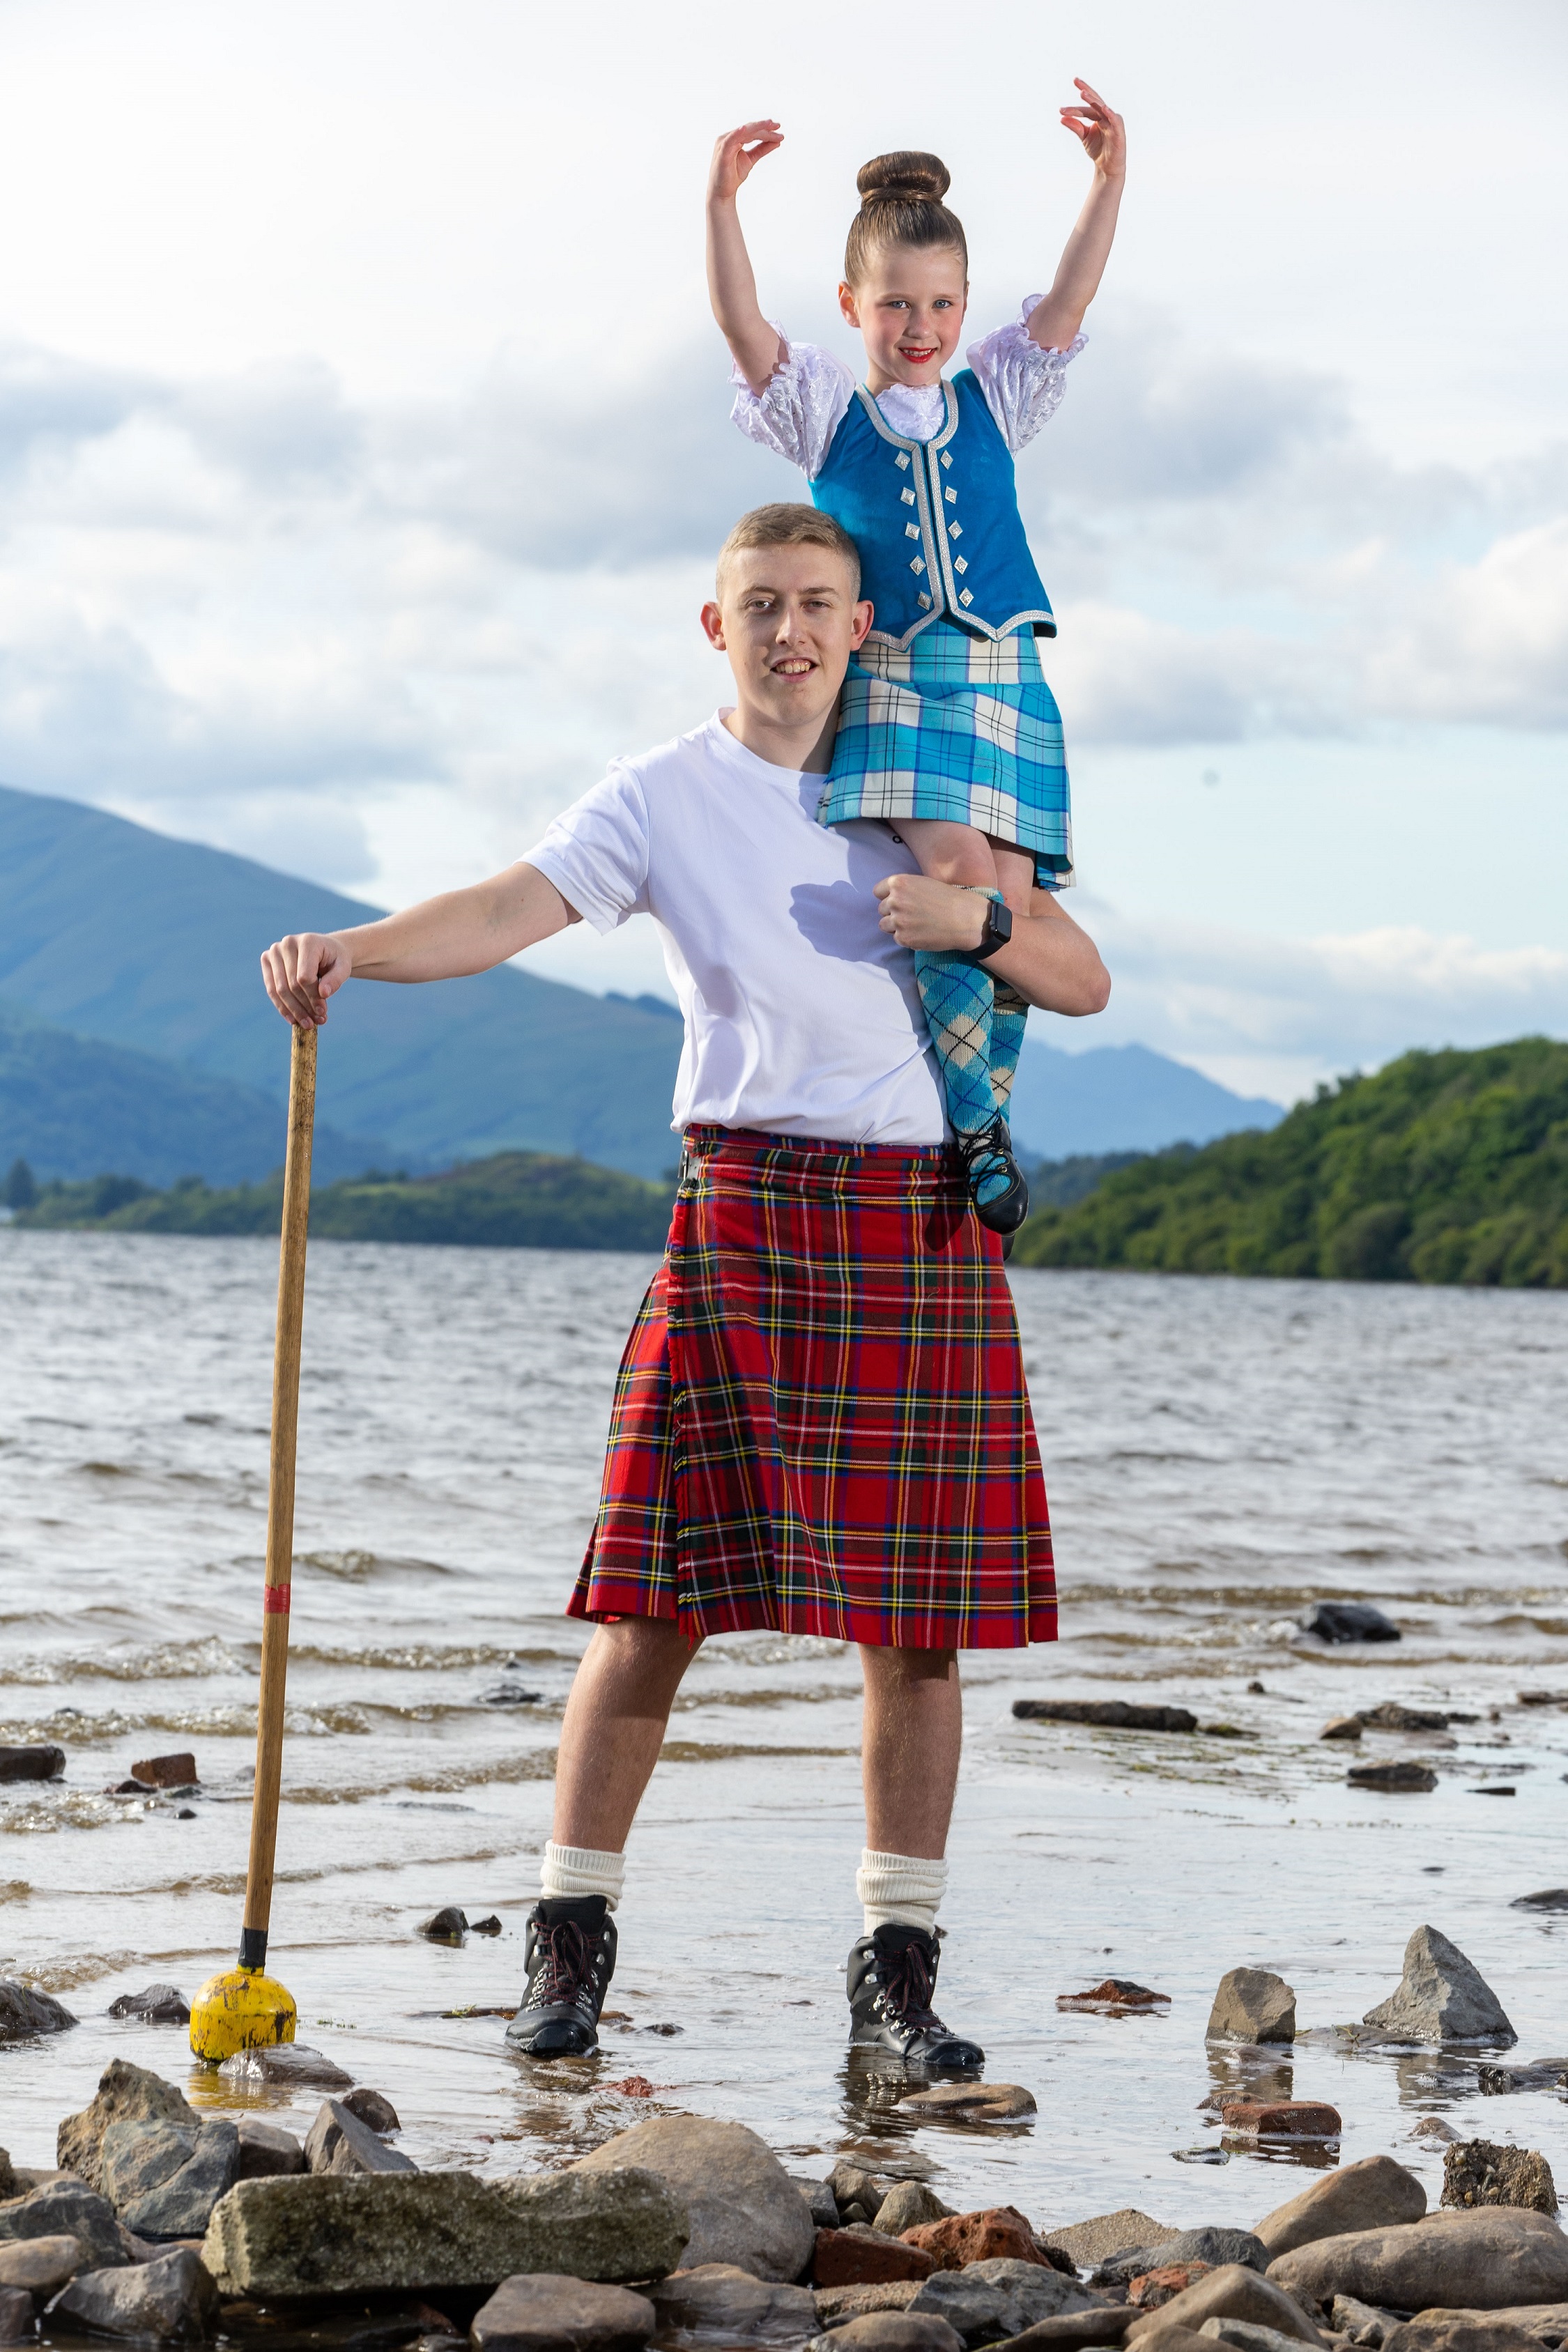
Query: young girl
point(947, 729)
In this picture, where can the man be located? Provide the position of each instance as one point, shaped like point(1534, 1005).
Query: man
point(820, 1424)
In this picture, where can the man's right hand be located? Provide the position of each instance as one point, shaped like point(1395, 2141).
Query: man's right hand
point(301, 972)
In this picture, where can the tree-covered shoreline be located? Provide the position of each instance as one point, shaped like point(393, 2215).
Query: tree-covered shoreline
point(1444, 1167)
point(513, 1200)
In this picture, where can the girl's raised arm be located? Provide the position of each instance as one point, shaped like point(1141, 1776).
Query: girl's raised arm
point(1054, 322)
point(731, 285)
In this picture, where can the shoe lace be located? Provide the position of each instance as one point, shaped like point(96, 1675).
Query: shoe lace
point(568, 1956)
point(907, 1982)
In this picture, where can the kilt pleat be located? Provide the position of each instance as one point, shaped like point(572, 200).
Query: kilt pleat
point(820, 1423)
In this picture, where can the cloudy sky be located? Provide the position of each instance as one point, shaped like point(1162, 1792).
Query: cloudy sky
point(363, 448)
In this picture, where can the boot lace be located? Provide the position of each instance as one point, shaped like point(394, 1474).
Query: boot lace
point(907, 1982)
point(567, 1959)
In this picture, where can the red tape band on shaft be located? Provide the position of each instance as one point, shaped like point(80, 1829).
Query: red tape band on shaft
point(275, 1600)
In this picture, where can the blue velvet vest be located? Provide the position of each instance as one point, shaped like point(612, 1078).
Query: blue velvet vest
point(936, 522)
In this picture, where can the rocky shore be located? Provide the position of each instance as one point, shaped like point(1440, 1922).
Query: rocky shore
point(166, 2225)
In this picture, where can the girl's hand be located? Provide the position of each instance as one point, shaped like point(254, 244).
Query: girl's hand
point(1103, 134)
point(734, 155)
point(301, 972)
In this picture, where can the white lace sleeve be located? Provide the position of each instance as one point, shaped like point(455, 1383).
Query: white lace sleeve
point(1023, 385)
point(800, 406)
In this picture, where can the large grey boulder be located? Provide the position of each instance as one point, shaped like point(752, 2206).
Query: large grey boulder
point(332, 2233)
point(126, 2093)
point(562, 2315)
point(171, 2300)
point(266, 2149)
point(908, 2205)
point(1213, 2246)
point(1544, 2323)
point(25, 2014)
point(339, 2142)
point(987, 2300)
point(67, 2208)
point(1478, 2262)
point(1446, 2331)
point(895, 2331)
point(1367, 2195)
point(163, 2180)
point(741, 2204)
point(43, 2265)
point(1234, 2291)
point(719, 2299)
point(1249, 2335)
point(1441, 1997)
point(1252, 2005)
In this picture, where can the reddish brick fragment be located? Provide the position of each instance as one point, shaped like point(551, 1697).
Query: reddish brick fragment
point(1156, 2287)
point(997, 2232)
point(845, 2258)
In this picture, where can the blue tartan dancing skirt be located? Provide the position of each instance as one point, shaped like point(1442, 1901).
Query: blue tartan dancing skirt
point(956, 727)
point(821, 1423)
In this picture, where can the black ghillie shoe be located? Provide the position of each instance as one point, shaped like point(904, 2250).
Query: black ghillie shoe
point(569, 1960)
point(989, 1165)
point(893, 1976)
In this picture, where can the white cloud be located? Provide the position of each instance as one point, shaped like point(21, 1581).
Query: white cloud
point(1275, 1016)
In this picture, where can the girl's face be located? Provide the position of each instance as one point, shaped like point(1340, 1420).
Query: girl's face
point(910, 310)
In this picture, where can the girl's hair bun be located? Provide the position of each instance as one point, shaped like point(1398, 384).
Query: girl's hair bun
point(905, 177)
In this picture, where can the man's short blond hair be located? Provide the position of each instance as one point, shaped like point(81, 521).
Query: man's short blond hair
point(786, 525)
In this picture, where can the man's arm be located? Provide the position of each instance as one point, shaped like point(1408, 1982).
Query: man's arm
point(461, 932)
point(1054, 322)
point(1048, 960)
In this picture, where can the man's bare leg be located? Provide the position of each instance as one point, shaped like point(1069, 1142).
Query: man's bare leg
point(908, 1760)
point(610, 1737)
point(613, 1728)
point(910, 1748)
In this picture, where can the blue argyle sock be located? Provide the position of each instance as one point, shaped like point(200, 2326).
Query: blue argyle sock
point(1009, 1010)
point(958, 995)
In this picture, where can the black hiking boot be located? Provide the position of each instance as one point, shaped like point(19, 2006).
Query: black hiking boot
point(990, 1168)
point(569, 1960)
point(893, 1976)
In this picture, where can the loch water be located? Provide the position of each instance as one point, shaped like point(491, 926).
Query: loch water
point(1218, 1453)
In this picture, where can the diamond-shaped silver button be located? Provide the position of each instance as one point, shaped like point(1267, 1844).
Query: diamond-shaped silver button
point(946, 458)
point(960, 563)
point(951, 495)
point(917, 564)
point(923, 601)
point(902, 458)
point(964, 597)
point(907, 497)
point(911, 530)
point(955, 530)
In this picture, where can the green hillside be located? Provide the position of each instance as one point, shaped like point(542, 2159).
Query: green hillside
point(515, 1200)
point(122, 935)
point(70, 1106)
point(1449, 1167)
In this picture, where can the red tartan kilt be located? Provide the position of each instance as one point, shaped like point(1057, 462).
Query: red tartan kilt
point(820, 1423)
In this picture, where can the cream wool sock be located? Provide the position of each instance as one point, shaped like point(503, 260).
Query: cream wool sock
point(899, 1890)
point(567, 1873)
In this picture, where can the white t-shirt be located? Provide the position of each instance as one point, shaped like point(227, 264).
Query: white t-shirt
point(801, 1014)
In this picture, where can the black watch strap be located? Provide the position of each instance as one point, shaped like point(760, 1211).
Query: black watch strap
point(998, 930)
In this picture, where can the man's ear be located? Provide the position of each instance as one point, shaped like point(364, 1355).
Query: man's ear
point(713, 627)
point(848, 303)
point(862, 622)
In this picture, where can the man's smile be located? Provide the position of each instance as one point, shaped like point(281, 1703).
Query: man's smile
point(793, 665)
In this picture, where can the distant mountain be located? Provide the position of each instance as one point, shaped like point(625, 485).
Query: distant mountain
point(139, 941)
point(1449, 1167)
point(1121, 1099)
point(72, 1107)
point(124, 935)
